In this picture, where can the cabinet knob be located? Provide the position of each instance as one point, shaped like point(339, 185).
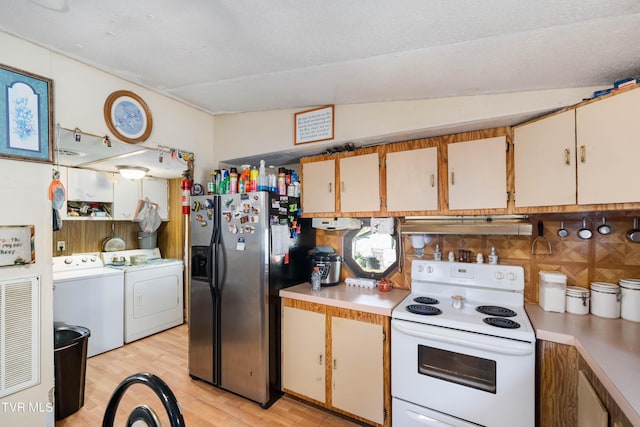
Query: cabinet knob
point(567, 156)
point(433, 180)
point(320, 358)
point(583, 153)
point(453, 178)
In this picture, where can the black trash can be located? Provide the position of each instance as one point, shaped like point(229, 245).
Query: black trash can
point(70, 365)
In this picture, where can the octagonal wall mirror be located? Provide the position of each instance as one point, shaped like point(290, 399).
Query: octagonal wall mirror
point(371, 255)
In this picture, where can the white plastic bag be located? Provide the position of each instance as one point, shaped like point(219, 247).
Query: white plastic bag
point(148, 217)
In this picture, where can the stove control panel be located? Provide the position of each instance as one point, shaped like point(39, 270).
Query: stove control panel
point(508, 277)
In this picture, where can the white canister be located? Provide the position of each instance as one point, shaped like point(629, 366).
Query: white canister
point(605, 300)
point(630, 299)
point(577, 300)
point(551, 291)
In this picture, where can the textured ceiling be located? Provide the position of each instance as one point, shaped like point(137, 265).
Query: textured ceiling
point(230, 56)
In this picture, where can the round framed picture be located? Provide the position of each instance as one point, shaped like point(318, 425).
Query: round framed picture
point(128, 117)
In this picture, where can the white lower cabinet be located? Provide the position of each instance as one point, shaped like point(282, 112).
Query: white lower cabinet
point(357, 359)
point(336, 358)
point(303, 367)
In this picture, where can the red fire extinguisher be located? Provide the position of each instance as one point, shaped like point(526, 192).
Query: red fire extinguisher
point(186, 193)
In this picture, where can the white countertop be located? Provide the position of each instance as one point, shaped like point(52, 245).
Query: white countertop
point(611, 347)
point(349, 297)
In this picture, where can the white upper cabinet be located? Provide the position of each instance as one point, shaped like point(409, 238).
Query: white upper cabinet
point(126, 194)
point(412, 180)
point(157, 190)
point(545, 161)
point(318, 186)
point(88, 185)
point(360, 183)
point(478, 174)
point(608, 149)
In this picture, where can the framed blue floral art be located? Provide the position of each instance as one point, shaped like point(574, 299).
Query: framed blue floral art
point(26, 116)
point(128, 117)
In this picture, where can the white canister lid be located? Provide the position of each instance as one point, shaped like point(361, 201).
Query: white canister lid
point(609, 288)
point(630, 283)
point(577, 291)
point(553, 276)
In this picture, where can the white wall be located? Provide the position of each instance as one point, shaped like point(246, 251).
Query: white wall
point(252, 134)
point(79, 95)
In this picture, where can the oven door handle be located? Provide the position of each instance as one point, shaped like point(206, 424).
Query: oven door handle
point(427, 421)
point(451, 336)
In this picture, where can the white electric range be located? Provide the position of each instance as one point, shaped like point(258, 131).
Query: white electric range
point(462, 348)
point(153, 292)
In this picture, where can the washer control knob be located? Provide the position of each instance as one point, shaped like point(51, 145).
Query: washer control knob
point(68, 260)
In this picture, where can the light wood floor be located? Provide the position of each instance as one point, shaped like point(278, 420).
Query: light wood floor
point(165, 355)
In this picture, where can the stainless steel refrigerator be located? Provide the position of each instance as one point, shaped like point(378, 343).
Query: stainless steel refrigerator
point(234, 315)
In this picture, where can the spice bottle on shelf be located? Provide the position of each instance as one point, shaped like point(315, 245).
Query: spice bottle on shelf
point(493, 257)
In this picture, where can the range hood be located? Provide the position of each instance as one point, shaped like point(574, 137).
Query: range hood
point(506, 225)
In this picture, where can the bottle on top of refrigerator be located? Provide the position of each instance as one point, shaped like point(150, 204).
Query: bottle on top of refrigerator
point(224, 182)
point(262, 177)
point(253, 179)
point(272, 179)
point(282, 182)
point(243, 179)
point(211, 184)
point(216, 189)
point(233, 180)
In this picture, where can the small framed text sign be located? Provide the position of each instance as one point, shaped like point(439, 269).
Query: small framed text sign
point(16, 245)
point(314, 125)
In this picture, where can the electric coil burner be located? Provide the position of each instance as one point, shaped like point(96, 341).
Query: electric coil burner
point(425, 300)
point(501, 322)
point(424, 310)
point(481, 333)
point(494, 310)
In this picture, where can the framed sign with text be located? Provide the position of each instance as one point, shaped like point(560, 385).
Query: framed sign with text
point(17, 245)
point(313, 125)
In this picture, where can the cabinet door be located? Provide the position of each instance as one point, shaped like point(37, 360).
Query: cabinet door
point(86, 185)
point(157, 190)
point(412, 180)
point(303, 353)
point(360, 183)
point(478, 174)
point(591, 411)
point(545, 161)
point(126, 193)
point(608, 149)
point(358, 368)
point(318, 186)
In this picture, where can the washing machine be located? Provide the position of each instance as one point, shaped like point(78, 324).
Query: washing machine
point(88, 294)
point(153, 291)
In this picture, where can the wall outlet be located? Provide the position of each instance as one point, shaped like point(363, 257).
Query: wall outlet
point(61, 245)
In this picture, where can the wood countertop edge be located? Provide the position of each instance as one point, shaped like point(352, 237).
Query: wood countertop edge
point(561, 337)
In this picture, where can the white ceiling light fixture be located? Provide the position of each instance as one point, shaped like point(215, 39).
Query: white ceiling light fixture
point(132, 172)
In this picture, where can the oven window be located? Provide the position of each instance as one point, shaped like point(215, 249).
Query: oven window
point(457, 368)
